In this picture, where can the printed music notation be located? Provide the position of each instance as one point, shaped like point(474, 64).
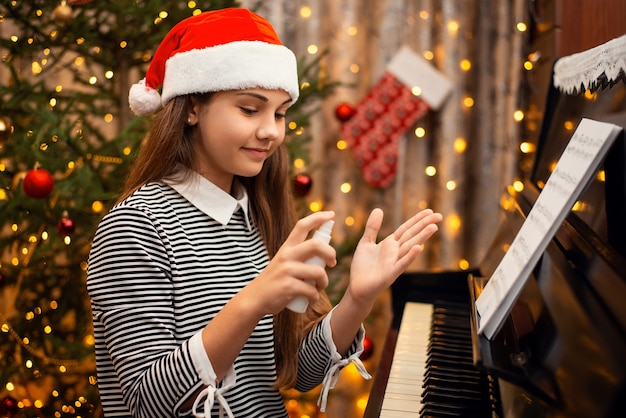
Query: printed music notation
point(578, 163)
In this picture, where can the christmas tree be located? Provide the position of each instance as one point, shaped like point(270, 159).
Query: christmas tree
point(67, 138)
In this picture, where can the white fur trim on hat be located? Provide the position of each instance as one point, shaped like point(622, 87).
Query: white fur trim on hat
point(232, 66)
point(143, 100)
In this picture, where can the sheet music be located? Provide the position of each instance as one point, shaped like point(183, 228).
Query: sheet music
point(578, 163)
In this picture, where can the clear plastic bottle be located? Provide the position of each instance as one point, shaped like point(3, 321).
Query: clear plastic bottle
point(300, 303)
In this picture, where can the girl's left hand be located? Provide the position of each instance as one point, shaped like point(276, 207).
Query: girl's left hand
point(376, 266)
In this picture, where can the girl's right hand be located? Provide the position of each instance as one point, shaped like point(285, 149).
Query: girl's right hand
point(284, 277)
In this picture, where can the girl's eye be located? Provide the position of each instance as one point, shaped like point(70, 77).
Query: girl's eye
point(279, 115)
point(248, 111)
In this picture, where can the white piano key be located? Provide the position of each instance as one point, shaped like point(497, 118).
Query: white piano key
point(402, 397)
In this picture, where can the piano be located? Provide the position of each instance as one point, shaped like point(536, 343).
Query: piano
point(562, 350)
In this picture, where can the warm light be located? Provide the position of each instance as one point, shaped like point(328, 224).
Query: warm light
point(97, 206)
point(518, 115)
point(93, 80)
point(589, 95)
point(430, 171)
point(298, 163)
point(453, 27)
point(35, 67)
point(466, 65)
point(521, 26)
point(361, 403)
point(312, 49)
point(292, 125)
point(108, 75)
point(163, 14)
point(468, 102)
point(463, 264)
point(416, 91)
point(518, 186)
point(528, 65)
point(108, 118)
point(354, 68)
point(349, 221)
point(451, 185)
point(601, 176)
point(127, 150)
point(9, 386)
point(67, 240)
point(460, 145)
point(305, 12)
point(341, 144)
point(352, 31)
point(345, 187)
point(453, 223)
point(527, 147)
point(79, 61)
point(569, 125)
point(62, 369)
point(429, 55)
point(420, 132)
point(579, 206)
point(315, 206)
point(44, 235)
point(29, 364)
point(47, 329)
point(89, 339)
point(424, 14)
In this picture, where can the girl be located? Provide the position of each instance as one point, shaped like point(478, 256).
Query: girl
point(190, 273)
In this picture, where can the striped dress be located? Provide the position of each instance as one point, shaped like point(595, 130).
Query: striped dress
point(162, 265)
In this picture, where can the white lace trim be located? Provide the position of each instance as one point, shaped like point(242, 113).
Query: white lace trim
point(592, 69)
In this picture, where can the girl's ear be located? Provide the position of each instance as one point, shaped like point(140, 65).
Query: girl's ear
point(193, 110)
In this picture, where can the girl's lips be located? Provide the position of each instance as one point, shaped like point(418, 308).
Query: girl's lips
point(257, 152)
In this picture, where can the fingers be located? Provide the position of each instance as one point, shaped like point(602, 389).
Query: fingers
point(415, 225)
point(373, 225)
point(305, 225)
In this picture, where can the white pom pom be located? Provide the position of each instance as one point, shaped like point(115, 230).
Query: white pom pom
point(143, 100)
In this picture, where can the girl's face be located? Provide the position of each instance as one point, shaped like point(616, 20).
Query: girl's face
point(236, 132)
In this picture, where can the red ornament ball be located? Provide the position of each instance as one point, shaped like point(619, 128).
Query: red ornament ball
point(368, 348)
point(8, 407)
point(66, 226)
point(344, 112)
point(302, 185)
point(38, 183)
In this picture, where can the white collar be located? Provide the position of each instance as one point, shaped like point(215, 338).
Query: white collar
point(209, 198)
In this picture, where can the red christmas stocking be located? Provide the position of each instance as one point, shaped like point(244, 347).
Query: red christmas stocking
point(390, 108)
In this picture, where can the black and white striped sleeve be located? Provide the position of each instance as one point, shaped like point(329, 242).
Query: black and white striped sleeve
point(320, 362)
point(129, 281)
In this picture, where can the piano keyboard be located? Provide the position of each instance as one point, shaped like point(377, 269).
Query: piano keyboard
point(432, 371)
point(402, 399)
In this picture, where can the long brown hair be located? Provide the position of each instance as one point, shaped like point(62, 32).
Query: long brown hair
point(168, 145)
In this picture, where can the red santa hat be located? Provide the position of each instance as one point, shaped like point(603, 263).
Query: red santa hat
point(227, 49)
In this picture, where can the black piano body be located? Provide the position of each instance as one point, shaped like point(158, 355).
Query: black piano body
point(562, 350)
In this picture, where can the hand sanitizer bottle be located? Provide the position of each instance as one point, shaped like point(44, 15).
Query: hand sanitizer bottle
point(300, 303)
